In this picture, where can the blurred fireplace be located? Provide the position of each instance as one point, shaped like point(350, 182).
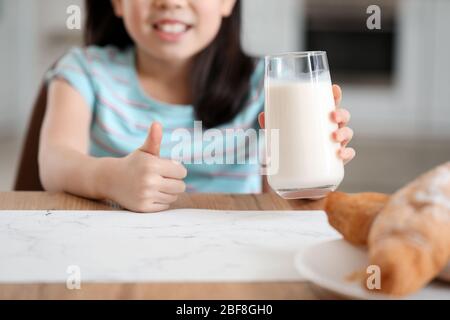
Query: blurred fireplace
point(355, 53)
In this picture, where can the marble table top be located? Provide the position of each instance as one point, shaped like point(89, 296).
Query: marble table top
point(175, 245)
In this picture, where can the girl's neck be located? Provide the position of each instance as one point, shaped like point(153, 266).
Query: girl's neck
point(164, 80)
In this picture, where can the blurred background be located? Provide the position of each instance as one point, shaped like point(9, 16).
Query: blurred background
point(395, 80)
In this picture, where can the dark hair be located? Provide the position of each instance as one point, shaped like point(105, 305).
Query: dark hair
point(220, 79)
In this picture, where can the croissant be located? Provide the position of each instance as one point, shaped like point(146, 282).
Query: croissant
point(409, 239)
point(352, 214)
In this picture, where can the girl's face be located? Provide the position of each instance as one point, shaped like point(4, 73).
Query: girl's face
point(173, 29)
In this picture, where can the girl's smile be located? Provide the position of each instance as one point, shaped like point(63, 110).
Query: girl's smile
point(171, 30)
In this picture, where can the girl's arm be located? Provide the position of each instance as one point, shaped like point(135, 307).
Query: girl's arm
point(140, 182)
point(63, 161)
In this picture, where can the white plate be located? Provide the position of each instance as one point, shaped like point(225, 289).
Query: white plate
point(330, 264)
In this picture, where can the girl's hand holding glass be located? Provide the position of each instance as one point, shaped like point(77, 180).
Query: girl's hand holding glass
point(344, 134)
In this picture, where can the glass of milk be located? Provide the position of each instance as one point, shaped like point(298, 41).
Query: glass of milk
point(298, 106)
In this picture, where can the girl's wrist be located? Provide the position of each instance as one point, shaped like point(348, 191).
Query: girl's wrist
point(104, 177)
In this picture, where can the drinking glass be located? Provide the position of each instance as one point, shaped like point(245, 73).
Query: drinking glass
point(303, 159)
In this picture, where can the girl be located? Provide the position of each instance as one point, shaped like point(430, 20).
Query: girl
point(158, 64)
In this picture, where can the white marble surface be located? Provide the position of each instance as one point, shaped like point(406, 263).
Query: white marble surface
point(176, 245)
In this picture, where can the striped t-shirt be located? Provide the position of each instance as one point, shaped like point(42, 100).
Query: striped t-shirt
point(222, 159)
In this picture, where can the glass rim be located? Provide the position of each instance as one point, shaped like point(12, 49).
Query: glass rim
point(296, 54)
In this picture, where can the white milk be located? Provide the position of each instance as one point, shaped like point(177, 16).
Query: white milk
point(309, 166)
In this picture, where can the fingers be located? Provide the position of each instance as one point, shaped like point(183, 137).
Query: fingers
point(172, 186)
point(337, 94)
point(262, 120)
point(341, 117)
point(152, 144)
point(347, 154)
point(343, 135)
point(164, 167)
point(160, 198)
point(165, 198)
point(168, 168)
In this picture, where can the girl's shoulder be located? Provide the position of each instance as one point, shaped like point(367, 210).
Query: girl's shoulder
point(89, 68)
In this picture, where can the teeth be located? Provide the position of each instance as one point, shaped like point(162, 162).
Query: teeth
point(172, 27)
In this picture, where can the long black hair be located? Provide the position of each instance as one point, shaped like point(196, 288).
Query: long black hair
point(220, 79)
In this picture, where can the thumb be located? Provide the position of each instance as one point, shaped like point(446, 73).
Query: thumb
point(152, 144)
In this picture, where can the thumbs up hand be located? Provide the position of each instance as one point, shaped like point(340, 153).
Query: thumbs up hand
point(146, 182)
point(152, 144)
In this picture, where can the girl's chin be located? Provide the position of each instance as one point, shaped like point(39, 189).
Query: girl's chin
point(174, 53)
point(171, 51)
